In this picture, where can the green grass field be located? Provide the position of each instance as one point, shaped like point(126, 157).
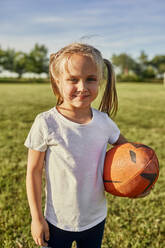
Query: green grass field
point(130, 223)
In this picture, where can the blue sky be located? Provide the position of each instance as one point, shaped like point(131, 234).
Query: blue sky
point(112, 26)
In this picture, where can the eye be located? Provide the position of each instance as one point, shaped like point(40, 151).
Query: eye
point(91, 79)
point(72, 80)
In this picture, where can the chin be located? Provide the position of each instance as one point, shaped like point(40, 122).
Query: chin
point(81, 104)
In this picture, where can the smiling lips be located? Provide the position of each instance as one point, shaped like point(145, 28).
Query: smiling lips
point(81, 96)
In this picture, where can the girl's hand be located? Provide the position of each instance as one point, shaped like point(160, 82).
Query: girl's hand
point(40, 232)
point(144, 194)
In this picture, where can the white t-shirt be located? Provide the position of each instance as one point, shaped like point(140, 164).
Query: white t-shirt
point(75, 197)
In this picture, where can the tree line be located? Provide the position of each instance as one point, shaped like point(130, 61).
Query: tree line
point(140, 69)
point(35, 61)
point(129, 69)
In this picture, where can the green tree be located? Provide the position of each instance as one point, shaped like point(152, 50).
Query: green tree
point(2, 56)
point(7, 59)
point(143, 58)
point(20, 61)
point(159, 63)
point(149, 72)
point(161, 68)
point(37, 60)
point(124, 62)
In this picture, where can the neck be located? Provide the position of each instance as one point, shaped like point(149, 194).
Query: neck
point(80, 115)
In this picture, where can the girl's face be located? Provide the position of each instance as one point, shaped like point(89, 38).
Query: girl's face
point(79, 84)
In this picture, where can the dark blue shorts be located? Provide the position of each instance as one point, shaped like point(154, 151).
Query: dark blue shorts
point(90, 238)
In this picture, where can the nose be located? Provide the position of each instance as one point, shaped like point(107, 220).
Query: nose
point(82, 86)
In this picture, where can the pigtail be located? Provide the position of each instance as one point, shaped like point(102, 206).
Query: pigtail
point(109, 102)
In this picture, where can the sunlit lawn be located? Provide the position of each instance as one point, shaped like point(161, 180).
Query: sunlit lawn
point(141, 117)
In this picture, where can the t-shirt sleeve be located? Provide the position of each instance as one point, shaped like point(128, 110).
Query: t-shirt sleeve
point(114, 131)
point(36, 138)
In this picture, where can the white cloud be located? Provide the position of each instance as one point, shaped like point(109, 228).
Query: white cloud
point(69, 22)
point(49, 19)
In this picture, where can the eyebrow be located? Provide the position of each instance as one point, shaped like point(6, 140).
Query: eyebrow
point(93, 75)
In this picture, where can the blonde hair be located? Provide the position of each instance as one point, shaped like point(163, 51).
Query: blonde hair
point(109, 102)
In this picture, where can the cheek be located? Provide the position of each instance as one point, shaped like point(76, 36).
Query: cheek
point(68, 90)
point(95, 89)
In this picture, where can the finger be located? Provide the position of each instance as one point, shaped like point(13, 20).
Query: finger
point(36, 241)
point(47, 235)
point(41, 242)
point(144, 194)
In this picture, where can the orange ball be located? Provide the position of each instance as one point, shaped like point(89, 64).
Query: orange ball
point(130, 169)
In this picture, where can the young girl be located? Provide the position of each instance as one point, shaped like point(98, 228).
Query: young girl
point(70, 141)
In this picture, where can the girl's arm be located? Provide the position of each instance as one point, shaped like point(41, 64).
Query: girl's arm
point(121, 140)
point(39, 226)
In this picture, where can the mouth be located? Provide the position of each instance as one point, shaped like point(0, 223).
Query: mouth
point(82, 96)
